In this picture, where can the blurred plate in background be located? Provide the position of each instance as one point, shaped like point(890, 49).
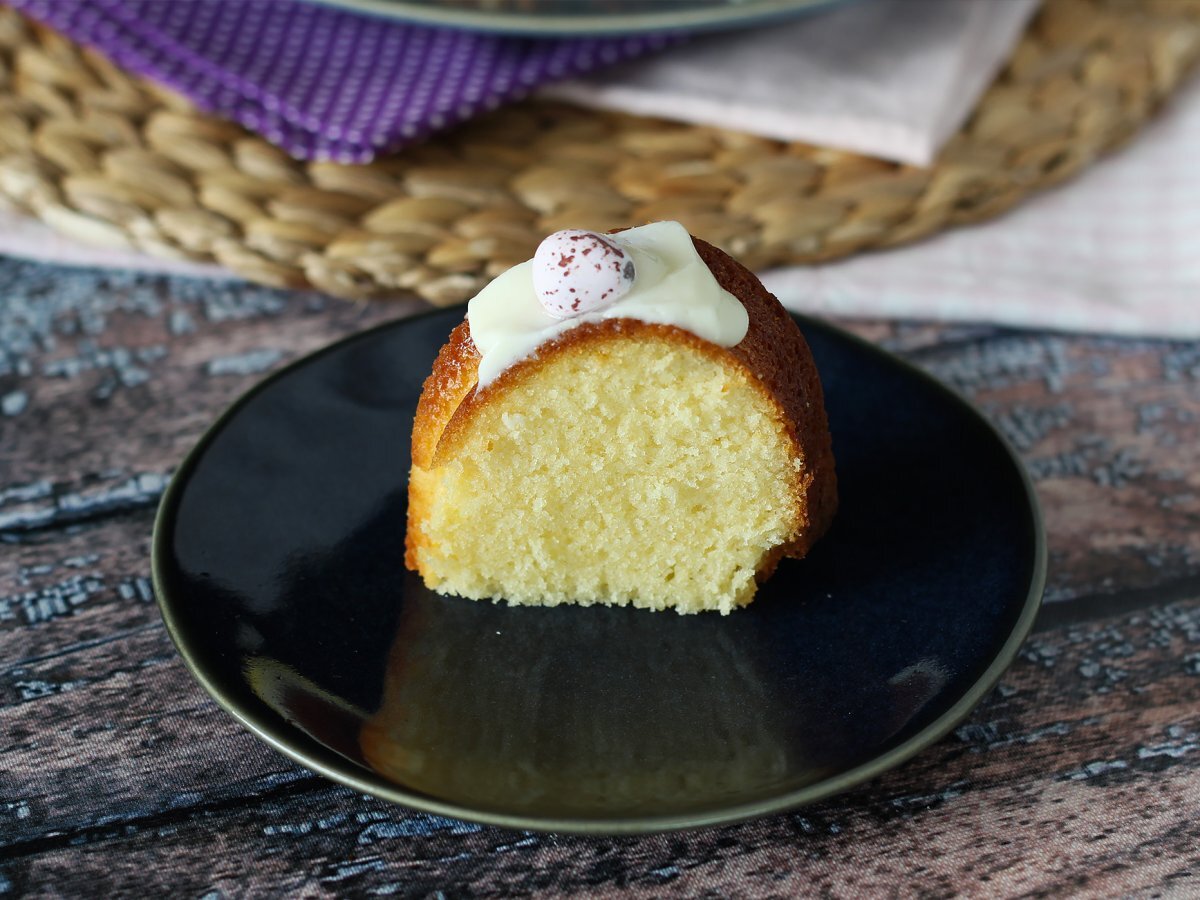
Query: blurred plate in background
point(582, 17)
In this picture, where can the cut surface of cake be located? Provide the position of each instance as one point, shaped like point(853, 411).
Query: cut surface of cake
point(624, 419)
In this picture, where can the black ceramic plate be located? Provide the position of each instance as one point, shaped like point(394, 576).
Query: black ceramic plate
point(278, 566)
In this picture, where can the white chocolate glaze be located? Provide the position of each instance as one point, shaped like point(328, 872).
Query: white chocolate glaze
point(673, 286)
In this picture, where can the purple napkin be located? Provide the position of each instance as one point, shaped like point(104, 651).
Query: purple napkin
point(319, 82)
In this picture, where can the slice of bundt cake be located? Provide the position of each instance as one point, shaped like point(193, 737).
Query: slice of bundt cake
point(624, 419)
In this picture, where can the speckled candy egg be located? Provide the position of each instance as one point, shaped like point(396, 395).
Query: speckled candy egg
point(577, 272)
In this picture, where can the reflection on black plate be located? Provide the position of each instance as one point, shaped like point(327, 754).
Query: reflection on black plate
point(583, 17)
point(278, 565)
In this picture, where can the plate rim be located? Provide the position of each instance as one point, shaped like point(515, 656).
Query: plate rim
point(549, 25)
point(281, 736)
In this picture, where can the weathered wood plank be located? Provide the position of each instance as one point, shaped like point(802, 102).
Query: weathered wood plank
point(107, 379)
point(120, 720)
point(63, 588)
point(1082, 772)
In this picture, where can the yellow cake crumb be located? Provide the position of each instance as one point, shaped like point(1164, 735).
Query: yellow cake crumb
point(639, 472)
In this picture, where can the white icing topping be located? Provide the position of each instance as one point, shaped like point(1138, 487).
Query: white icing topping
point(673, 287)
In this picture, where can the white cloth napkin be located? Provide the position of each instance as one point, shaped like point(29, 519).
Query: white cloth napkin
point(887, 78)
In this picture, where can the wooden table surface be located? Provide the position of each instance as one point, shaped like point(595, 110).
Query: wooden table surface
point(1079, 774)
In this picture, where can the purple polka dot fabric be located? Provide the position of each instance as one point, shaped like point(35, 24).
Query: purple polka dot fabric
point(319, 82)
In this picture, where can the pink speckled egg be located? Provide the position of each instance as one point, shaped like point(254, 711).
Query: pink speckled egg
point(577, 272)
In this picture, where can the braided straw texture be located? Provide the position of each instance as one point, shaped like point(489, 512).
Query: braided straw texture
point(111, 159)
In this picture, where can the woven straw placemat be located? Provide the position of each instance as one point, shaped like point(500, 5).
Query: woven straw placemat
point(112, 159)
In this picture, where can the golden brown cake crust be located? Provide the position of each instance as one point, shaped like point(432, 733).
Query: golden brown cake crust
point(773, 351)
